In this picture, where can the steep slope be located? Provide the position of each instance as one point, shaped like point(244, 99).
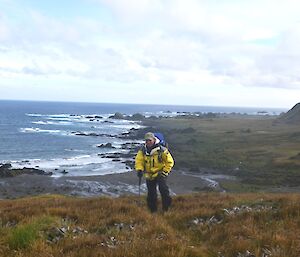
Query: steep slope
point(292, 116)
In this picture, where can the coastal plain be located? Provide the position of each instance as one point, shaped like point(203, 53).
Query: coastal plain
point(260, 151)
point(212, 152)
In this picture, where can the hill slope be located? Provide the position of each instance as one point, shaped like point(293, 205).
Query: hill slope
point(197, 225)
point(292, 116)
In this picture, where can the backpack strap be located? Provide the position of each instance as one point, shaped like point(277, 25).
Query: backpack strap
point(160, 152)
point(143, 149)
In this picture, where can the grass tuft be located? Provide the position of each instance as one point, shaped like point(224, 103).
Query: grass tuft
point(25, 235)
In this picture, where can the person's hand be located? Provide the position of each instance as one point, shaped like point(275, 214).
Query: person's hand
point(139, 173)
point(164, 174)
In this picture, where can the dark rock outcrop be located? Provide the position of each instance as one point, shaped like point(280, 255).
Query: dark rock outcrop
point(93, 117)
point(107, 145)
point(117, 116)
point(7, 171)
point(134, 117)
point(292, 116)
point(90, 134)
point(137, 116)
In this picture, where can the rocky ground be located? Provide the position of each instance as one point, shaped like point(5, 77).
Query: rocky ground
point(111, 185)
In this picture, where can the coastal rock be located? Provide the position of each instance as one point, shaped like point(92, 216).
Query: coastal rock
point(126, 158)
point(120, 116)
point(131, 146)
point(5, 166)
point(92, 134)
point(137, 116)
point(107, 145)
point(117, 116)
point(134, 134)
point(111, 155)
point(7, 171)
point(152, 117)
point(93, 117)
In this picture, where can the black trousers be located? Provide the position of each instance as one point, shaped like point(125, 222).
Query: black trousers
point(152, 193)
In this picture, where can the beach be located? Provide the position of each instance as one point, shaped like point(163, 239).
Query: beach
point(113, 185)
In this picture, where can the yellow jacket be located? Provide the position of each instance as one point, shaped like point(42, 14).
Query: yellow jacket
point(158, 160)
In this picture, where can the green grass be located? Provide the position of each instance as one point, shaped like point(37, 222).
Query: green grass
point(25, 235)
point(238, 187)
point(256, 149)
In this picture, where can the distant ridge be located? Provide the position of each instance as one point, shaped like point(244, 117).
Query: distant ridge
point(292, 116)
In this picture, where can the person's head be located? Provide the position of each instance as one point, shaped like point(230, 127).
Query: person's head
point(150, 139)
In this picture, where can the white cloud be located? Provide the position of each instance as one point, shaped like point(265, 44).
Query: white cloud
point(201, 44)
point(216, 36)
point(4, 30)
point(132, 11)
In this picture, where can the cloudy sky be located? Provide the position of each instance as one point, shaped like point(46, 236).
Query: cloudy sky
point(189, 52)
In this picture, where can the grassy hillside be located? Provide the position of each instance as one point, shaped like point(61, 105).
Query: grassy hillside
point(259, 150)
point(212, 225)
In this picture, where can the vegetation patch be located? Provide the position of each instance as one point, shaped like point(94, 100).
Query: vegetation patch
point(201, 224)
point(24, 235)
point(260, 151)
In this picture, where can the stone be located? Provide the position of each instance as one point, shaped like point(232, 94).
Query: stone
point(107, 145)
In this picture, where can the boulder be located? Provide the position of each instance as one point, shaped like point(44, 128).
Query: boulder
point(107, 145)
point(5, 166)
point(137, 116)
point(117, 116)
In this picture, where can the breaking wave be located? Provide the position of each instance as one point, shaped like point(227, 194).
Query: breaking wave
point(81, 165)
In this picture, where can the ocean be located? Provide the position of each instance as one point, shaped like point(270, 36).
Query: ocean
point(48, 135)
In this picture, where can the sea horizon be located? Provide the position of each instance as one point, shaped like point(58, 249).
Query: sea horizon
point(151, 104)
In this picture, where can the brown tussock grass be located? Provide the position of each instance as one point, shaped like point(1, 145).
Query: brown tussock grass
point(121, 227)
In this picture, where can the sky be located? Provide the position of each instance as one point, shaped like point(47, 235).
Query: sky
point(182, 52)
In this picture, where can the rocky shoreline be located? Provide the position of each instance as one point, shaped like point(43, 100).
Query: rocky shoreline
point(112, 185)
point(33, 181)
point(7, 171)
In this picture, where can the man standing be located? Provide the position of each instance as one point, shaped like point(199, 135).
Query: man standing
point(155, 162)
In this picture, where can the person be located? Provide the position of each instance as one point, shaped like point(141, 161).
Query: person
point(155, 162)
